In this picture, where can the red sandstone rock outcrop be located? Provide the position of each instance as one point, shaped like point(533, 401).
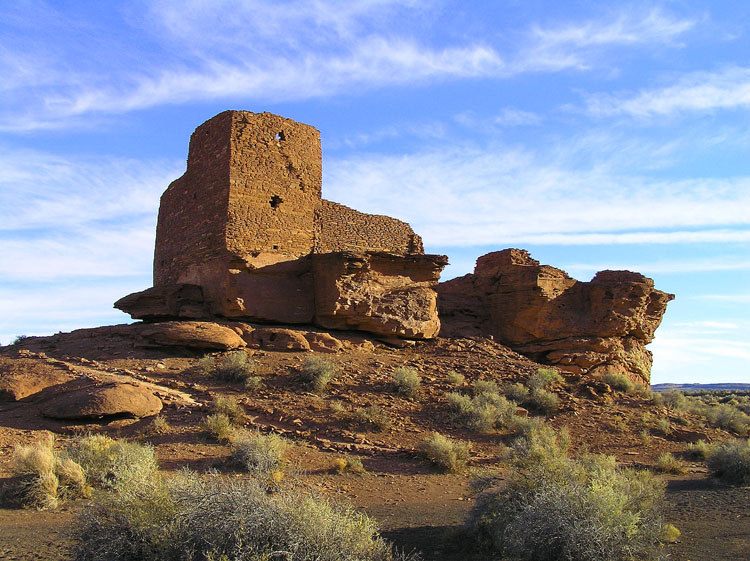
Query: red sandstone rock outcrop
point(244, 233)
point(597, 327)
point(111, 400)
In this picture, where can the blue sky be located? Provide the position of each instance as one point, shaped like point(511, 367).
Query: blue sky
point(596, 135)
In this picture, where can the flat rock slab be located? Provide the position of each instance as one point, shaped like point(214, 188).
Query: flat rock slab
point(22, 377)
point(104, 401)
point(192, 334)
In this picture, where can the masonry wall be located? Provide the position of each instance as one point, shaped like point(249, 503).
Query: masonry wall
point(274, 185)
point(193, 209)
point(340, 228)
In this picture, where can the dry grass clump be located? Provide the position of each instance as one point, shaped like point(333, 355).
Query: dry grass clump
point(700, 450)
point(556, 508)
point(229, 406)
point(543, 378)
point(731, 461)
point(114, 464)
point(317, 372)
point(254, 384)
point(667, 463)
point(450, 455)
point(372, 417)
point(618, 382)
point(455, 379)
point(235, 366)
point(190, 518)
point(407, 381)
point(517, 392)
point(258, 452)
point(36, 483)
point(348, 465)
point(219, 426)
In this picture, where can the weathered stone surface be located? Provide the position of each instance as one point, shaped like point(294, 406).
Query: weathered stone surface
point(104, 401)
point(597, 327)
point(193, 334)
point(278, 339)
point(170, 301)
point(323, 342)
point(376, 292)
point(237, 232)
point(23, 377)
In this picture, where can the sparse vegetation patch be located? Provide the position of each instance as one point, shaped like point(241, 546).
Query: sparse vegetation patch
point(450, 455)
point(317, 372)
point(407, 381)
point(731, 461)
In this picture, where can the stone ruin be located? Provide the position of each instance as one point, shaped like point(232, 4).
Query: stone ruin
point(594, 327)
point(245, 234)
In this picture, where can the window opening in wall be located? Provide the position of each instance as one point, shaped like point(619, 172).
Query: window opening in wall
point(280, 135)
point(276, 201)
point(195, 196)
point(276, 247)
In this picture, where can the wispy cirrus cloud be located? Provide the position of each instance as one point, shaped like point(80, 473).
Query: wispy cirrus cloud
point(696, 92)
point(288, 51)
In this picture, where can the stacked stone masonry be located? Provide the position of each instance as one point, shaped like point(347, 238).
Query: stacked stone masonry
point(245, 221)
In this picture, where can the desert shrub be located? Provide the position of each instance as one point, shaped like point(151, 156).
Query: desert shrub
point(618, 382)
point(667, 463)
point(656, 398)
point(662, 424)
point(543, 378)
point(373, 417)
point(455, 379)
point(258, 452)
point(450, 455)
point(219, 426)
point(670, 533)
point(158, 426)
point(230, 407)
point(36, 483)
point(349, 465)
point(317, 372)
point(484, 411)
point(557, 508)
point(19, 339)
point(254, 384)
point(700, 450)
point(516, 392)
point(543, 400)
point(731, 461)
point(728, 417)
point(114, 464)
point(190, 519)
point(645, 437)
point(407, 381)
point(674, 399)
point(235, 366)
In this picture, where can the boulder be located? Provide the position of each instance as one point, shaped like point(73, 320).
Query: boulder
point(23, 377)
point(170, 301)
point(97, 402)
point(192, 334)
point(596, 327)
point(279, 339)
point(377, 292)
point(323, 342)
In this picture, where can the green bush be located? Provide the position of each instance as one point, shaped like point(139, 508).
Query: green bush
point(667, 463)
point(317, 372)
point(484, 411)
point(618, 382)
point(674, 399)
point(407, 381)
point(450, 455)
point(543, 378)
point(188, 519)
point(258, 452)
point(543, 400)
point(555, 508)
point(731, 461)
point(517, 392)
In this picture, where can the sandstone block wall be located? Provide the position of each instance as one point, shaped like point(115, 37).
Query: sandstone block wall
point(340, 228)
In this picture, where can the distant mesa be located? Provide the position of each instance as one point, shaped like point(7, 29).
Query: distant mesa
point(245, 235)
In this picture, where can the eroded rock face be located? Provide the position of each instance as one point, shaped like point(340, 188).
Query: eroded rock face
point(597, 327)
point(191, 334)
point(240, 233)
point(378, 292)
